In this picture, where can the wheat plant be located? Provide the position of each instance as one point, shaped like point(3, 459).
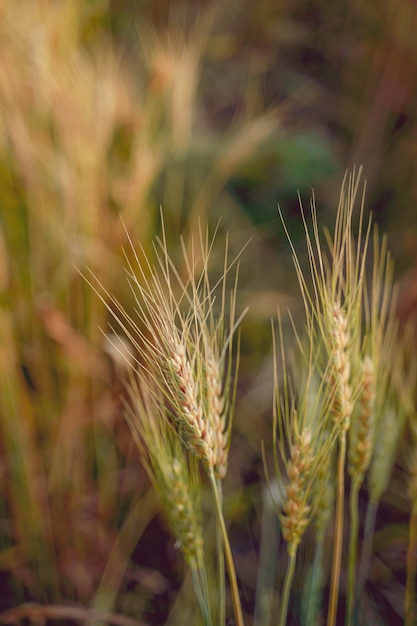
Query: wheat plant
point(181, 406)
point(351, 330)
point(334, 393)
point(93, 136)
point(95, 132)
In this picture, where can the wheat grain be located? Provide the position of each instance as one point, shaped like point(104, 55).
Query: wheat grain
point(361, 434)
point(296, 510)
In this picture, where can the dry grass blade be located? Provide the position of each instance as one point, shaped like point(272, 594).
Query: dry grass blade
point(40, 612)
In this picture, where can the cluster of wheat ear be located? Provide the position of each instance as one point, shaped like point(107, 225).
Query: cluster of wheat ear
point(352, 346)
point(339, 402)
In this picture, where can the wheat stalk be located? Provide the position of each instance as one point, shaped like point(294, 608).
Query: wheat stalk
point(174, 476)
point(333, 305)
point(183, 344)
point(302, 441)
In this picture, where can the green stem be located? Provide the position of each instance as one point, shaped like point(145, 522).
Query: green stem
point(368, 540)
point(220, 562)
point(313, 590)
point(237, 609)
point(201, 591)
point(338, 537)
point(267, 568)
point(353, 548)
point(287, 585)
point(410, 589)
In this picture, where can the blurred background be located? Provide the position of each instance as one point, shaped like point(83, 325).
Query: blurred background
point(218, 113)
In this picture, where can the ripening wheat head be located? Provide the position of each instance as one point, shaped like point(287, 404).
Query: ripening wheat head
point(183, 330)
point(304, 436)
point(395, 405)
point(173, 474)
point(349, 300)
point(376, 358)
point(349, 325)
point(333, 299)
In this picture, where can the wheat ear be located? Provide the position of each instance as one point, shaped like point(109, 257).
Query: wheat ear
point(173, 475)
point(184, 349)
point(301, 423)
point(296, 510)
point(333, 305)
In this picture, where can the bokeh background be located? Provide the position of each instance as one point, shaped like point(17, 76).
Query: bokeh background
point(218, 113)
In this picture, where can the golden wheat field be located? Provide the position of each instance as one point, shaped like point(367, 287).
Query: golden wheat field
point(208, 304)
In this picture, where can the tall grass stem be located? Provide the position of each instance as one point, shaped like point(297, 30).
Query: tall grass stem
point(237, 609)
point(313, 590)
point(367, 543)
point(201, 590)
point(267, 568)
point(353, 549)
point(338, 538)
point(410, 589)
point(220, 562)
point(289, 576)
